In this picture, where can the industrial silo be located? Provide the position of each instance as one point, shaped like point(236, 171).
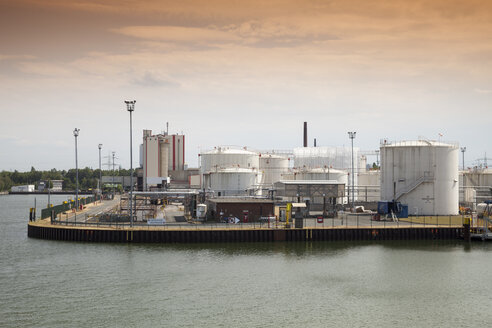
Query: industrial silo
point(164, 157)
point(272, 167)
point(422, 174)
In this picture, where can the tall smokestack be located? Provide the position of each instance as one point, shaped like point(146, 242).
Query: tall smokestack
point(314, 142)
point(305, 134)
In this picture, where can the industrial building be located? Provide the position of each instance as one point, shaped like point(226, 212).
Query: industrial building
point(162, 160)
point(240, 171)
point(422, 174)
point(475, 185)
point(319, 194)
point(245, 209)
point(56, 185)
point(22, 189)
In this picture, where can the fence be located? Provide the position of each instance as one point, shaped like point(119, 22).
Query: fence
point(345, 221)
point(65, 206)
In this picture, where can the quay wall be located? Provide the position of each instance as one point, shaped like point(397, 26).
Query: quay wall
point(238, 236)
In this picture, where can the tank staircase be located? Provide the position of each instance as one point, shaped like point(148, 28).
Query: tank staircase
point(414, 185)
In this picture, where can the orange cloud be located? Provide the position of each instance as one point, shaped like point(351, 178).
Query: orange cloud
point(177, 34)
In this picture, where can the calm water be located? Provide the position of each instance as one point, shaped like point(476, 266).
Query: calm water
point(403, 284)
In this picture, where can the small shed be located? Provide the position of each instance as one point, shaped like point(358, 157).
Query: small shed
point(245, 209)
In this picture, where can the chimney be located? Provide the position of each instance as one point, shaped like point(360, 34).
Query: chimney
point(305, 135)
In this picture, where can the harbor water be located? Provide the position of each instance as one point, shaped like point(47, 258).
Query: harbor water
point(317, 284)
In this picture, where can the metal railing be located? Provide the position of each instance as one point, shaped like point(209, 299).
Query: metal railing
point(346, 220)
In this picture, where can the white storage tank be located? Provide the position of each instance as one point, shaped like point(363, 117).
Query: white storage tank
point(272, 167)
point(422, 174)
point(228, 157)
point(231, 181)
point(369, 185)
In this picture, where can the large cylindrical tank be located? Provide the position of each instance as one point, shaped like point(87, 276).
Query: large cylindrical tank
point(232, 181)
point(227, 157)
point(164, 158)
point(422, 174)
point(272, 167)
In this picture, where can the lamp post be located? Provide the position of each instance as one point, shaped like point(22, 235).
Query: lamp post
point(100, 172)
point(76, 134)
point(130, 106)
point(463, 149)
point(112, 182)
point(352, 137)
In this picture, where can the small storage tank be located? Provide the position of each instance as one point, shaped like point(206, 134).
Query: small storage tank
point(272, 167)
point(231, 181)
point(228, 157)
point(201, 211)
point(422, 174)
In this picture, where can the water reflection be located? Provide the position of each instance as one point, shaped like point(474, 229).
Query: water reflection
point(312, 248)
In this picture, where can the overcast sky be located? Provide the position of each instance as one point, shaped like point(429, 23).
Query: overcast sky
point(247, 73)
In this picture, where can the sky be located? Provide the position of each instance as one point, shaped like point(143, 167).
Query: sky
point(245, 73)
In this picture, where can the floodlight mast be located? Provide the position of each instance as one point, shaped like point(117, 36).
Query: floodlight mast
point(130, 107)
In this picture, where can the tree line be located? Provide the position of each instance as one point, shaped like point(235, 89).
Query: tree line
point(87, 177)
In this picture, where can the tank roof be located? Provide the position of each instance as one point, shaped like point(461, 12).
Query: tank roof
point(229, 151)
point(234, 170)
point(418, 143)
point(309, 182)
point(275, 156)
point(319, 170)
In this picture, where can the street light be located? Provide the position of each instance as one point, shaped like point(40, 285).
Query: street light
point(352, 137)
point(113, 175)
point(130, 106)
point(100, 172)
point(463, 149)
point(76, 134)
